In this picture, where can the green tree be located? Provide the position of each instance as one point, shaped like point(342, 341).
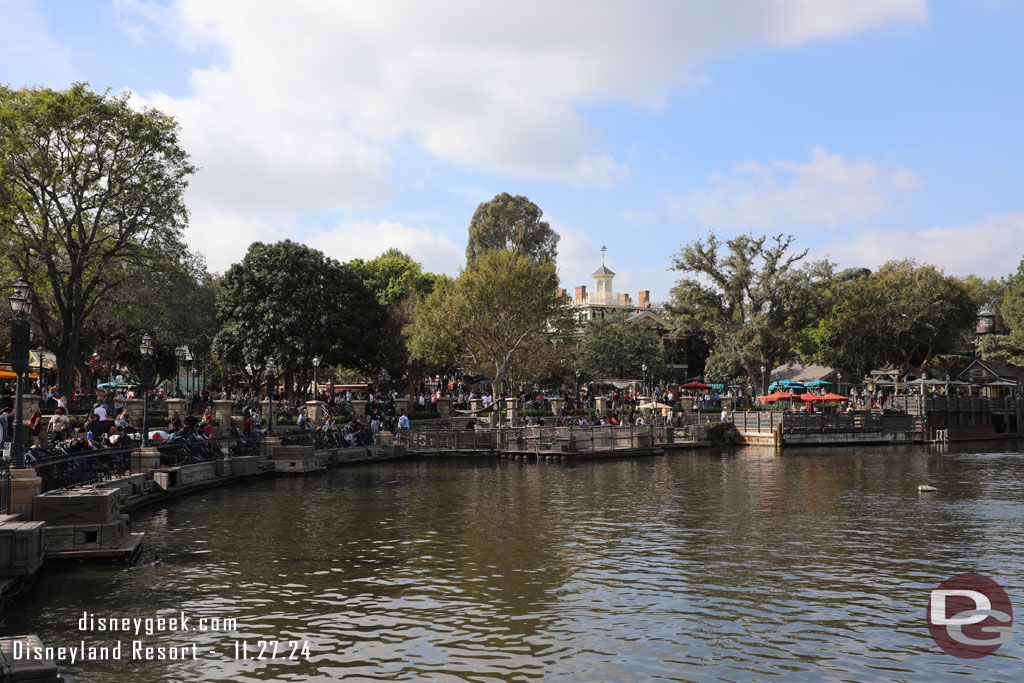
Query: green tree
point(90, 205)
point(512, 223)
point(397, 281)
point(1011, 305)
point(905, 314)
point(292, 302)
point(392, 276)
point(750, 296)
point(1001, 348)
point(619, 349)
point(493, 319)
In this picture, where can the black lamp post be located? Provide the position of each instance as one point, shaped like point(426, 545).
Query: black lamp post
point(271, 384)
point(21, 304)
point(644, 387)
point(763, 390)
point(179, 356)
point(146, 375)
point(316, 364)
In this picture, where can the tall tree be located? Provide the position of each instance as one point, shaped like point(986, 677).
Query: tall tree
point(619, 350)
point(491, 318)
point(397, 281)
point(751, 296)
point(292, 302)
point(512, 223)
point(90, 201)
point(904, 314)
point(1011, 304)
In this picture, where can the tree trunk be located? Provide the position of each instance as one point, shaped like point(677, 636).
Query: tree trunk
point(496, 397)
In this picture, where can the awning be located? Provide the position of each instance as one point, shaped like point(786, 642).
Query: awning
point(7, 374)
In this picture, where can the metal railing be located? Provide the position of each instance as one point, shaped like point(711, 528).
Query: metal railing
point(66, 469)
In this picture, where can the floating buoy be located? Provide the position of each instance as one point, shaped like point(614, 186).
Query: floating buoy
point(926, 487)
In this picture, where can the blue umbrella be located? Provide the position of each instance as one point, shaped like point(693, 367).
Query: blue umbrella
point(818, 383)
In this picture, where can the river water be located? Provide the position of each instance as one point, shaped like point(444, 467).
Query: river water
point(727, 566)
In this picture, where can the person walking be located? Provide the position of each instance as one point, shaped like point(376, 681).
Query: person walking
point(35, 423)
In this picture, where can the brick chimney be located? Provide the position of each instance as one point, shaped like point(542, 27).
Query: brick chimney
point(581, 294)
point(560, 293)
point(644, 298)
point(623, 299)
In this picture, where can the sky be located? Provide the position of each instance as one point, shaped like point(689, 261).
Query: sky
point(869, 130)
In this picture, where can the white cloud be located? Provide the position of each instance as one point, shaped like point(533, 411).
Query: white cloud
point(490, 87)
point(366, 240)
point(828, 190)
point(307, 104)
point(988, 247)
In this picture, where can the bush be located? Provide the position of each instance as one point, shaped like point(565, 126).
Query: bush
point(536, 413)
point(286, 420)
point(341, 419)
point(76, 421)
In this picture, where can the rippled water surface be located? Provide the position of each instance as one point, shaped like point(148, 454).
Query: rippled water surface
point(813, 565)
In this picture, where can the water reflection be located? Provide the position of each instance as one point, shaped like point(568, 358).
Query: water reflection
point(707, 566)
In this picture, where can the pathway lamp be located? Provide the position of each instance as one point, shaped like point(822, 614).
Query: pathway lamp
point(146, 379)
point(763, 368)
point(21, 337)
point(179, 356)
point(271, 384)
point(316, 388)
point(644, 387)
point(21, 305)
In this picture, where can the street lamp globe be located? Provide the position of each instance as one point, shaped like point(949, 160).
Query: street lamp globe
point(146, 346)
point(271, 366)
point(316, 361)
point(20, 302)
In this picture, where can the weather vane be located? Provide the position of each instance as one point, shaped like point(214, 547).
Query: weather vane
point(603, 250)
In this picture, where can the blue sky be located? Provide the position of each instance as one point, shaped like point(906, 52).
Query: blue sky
point(871, 130)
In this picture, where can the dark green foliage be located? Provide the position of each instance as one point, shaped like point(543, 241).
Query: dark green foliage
point(751, 297)
point(91, 210)
point(619, 349)
point(512, 223)
point(904, 314)
point(291, 302)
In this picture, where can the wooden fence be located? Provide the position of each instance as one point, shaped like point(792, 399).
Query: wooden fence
point(546, 439)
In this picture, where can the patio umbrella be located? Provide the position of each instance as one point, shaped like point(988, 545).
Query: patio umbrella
point(654, 405)
point(809, 398)
point(777, 396)
point(696, 385)
point(818, 383)
point(834, 397)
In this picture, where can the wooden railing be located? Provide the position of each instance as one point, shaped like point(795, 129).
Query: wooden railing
point(849, 422)
point(916, 405)
point(547, 439)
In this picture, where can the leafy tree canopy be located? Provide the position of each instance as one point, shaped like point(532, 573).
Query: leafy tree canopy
point(904, 314)
point(512, 223)
point(619, 350)
point(292, 302)
point(750, 295)
point(90, 207)
point(1011, 304)
point(392, 276)
point(491, 318)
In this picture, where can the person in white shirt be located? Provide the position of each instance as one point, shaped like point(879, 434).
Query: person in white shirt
point(101, 411)
point(403, 421)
